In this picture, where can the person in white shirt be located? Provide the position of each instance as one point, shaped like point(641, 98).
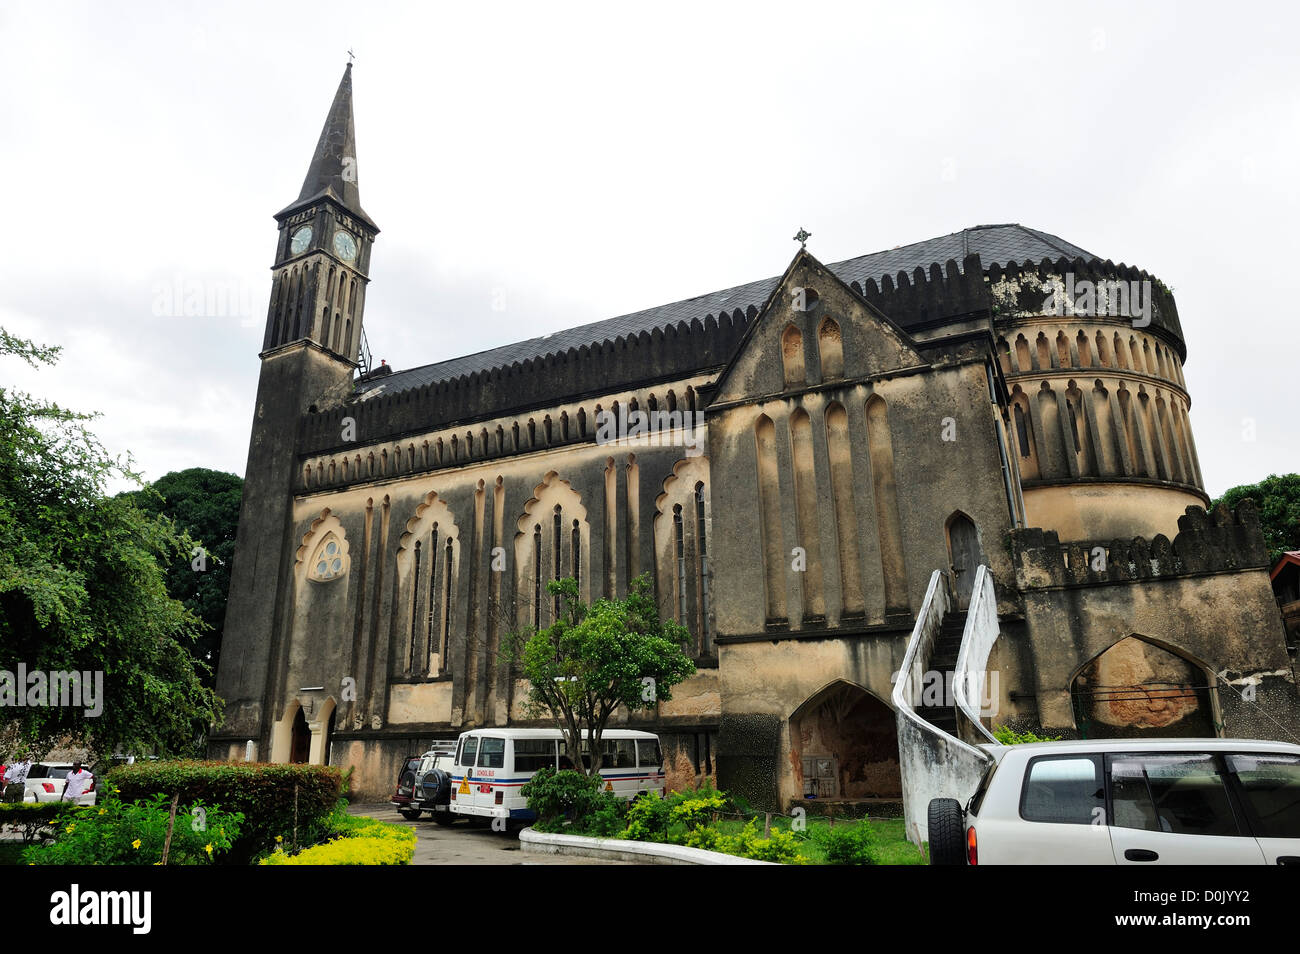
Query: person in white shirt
point(17, 776)
point(76, 782)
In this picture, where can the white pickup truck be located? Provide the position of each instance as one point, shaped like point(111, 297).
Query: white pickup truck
point(1127, 802)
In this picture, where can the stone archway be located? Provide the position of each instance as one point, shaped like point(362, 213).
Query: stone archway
point(1138, 688)
point(299, 739)
point(844, 746)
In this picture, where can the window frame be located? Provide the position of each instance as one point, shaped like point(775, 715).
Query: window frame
point(1244, 825)
point(1098, 770)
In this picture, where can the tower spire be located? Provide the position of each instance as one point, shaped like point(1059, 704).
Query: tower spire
point(333, 169)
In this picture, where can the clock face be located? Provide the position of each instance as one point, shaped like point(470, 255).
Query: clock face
point(345, 245)
point(301, 239)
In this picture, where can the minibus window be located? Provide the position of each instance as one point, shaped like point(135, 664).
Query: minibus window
point(468, 750)
point(492, 753)
point(648, 752)
point(617, 753)
point(534, 754)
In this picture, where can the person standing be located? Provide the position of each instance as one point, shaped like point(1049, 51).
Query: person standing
point(76, 782)
point(15, 784)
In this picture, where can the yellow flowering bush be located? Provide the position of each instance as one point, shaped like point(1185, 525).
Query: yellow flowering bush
point(361, 841)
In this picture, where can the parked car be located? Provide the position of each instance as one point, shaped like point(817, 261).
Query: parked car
point(433, 784)
point(46, 780)
point(424, 784)
point(1127, 801)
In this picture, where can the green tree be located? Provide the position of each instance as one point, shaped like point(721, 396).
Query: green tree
point(82, 586)
point(1277, 498)
point(205, 504)
point(595, 658)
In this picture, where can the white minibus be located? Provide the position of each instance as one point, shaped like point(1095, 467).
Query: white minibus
point(492, 765)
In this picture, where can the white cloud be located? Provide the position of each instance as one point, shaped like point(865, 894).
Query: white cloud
point(594, 159)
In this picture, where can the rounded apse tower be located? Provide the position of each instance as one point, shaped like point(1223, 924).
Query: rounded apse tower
point(1093, 357)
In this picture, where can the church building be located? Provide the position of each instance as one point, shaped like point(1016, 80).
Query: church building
point(821, 443)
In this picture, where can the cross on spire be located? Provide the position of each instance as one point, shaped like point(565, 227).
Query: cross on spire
point(802, 237)
point(351, 56)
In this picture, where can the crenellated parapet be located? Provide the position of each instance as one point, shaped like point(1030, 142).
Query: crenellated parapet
point(1217, 542)
point(621, 363)
point(1096, 289)
point(924, 298)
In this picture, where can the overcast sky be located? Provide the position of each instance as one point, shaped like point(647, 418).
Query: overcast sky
point(577, 162)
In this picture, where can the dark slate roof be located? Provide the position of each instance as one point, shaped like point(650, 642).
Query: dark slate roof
point(998, 244)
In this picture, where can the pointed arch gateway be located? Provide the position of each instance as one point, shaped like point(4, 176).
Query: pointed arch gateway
point(844, 745)
point(1142, 687)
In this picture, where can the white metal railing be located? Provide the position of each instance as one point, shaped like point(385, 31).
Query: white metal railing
point(977, 639)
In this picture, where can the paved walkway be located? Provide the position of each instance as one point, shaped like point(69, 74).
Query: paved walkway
point(464, 844)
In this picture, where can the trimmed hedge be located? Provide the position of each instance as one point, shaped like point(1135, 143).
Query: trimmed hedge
point(262, 792)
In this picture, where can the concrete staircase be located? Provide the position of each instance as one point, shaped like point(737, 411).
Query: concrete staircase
point(943, 659)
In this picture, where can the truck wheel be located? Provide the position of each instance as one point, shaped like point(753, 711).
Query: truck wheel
point(945, 819)
point(444, 818)
point(410, 814)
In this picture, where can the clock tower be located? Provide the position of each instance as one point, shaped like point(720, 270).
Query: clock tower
point(322, 258)
point(309, 356)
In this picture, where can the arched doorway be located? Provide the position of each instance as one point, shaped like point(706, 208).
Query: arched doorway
point(300, 739)
point(1139, 689)
point(844, 746)
point(965, 554)
point(329, 737)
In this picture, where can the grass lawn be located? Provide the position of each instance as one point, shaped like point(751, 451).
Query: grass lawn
point(894, 849)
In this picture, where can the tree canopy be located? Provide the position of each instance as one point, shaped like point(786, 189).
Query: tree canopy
point(82, 588)
point(1277, 498)
point(205, 504)
point(594, 659)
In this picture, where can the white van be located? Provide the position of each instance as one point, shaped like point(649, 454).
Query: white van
point(492, 765)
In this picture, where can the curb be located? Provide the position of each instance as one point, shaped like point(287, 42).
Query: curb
point(617, 849)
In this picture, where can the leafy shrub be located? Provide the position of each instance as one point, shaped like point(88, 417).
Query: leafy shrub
point(781, 847)
point(855, 844)
point(263, 793)
point(647, 818)
point(359, 841)
point(133, 833)
point(557, 796)
point(705, 837)
point(693, 809)
point(31, 817)
point(1009, 736)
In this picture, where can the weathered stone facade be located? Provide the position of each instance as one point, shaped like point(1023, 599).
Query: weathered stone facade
point(862, 424)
